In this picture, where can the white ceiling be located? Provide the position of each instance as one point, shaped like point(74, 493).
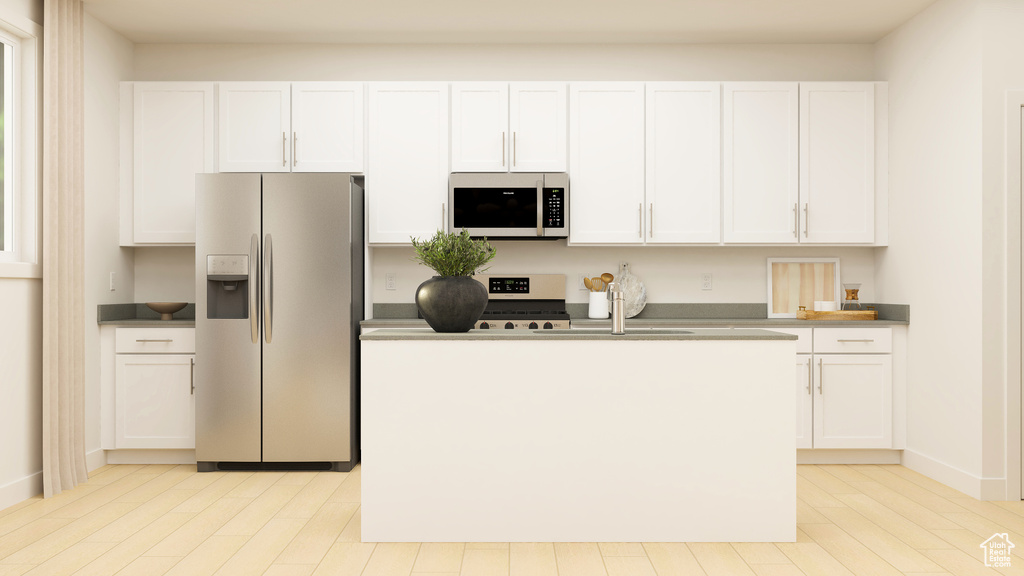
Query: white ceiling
point(509, 21)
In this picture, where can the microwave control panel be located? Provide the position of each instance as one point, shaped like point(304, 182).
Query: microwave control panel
point(554, 207)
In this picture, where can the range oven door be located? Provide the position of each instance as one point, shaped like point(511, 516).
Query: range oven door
point(518, 206)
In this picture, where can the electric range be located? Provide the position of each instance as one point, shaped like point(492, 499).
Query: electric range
point(524, 302)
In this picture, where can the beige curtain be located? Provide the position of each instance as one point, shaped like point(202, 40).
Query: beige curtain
point(63, 285)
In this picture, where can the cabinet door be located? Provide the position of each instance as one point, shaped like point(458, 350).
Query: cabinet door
point(407, 175)
point(173, 140)
point(804, 402)
point(480, 127)
point(683, 162)
point(537, 120)
point(853, 404)
point(327, 127)
point(837, 162)
point(154, 401)
point(606, 163)
point(760, 155)
point(254, 126)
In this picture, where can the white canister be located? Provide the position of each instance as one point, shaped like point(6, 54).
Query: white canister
point(598, 305)
point(825, 306)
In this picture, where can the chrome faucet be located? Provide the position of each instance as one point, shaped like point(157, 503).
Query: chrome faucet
point(618, 310)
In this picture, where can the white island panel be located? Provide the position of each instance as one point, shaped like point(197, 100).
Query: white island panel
point(578, 440)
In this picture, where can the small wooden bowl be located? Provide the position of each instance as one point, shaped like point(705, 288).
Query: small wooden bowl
point(166, 309)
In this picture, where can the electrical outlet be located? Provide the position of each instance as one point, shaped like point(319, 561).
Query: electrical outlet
point(389, 281)
point(113, 277)
point(580, 283)
point(705, 281)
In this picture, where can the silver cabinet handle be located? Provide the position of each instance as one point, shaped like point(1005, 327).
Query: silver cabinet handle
point(640, 220)
point(821, 374)
point(810, 376)
point(806, 219)
point(513, 148)
point(148, 340)
point(268, 288)
point(254, 326)
point(650, 222)
point(502, 148)
point(864, 340)
point(192, 375)
point(796, 220)
point(540, 207)
point(295, 149)
point(284, 149)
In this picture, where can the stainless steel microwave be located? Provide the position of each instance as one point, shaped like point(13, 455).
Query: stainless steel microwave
point(509, 205)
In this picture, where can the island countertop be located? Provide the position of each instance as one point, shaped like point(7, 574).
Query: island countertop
point(577, 334)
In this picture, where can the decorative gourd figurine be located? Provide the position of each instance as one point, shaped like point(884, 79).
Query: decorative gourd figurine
point(634, 294)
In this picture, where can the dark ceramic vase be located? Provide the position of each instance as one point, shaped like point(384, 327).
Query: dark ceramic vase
point(451, 303)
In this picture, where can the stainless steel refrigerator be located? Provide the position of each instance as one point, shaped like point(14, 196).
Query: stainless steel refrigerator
point(279, 297)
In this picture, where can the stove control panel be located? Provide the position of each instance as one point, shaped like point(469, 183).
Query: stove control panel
point(508, 285)
point(522, 324)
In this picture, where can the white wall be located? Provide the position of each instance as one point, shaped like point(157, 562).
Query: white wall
point(936, 213)
point(21, 351)
point(671, 273)
point(108, 60)
point(21, 411)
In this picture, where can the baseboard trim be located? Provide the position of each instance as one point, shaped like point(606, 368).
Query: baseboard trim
point(21, 490)
point(95, 459)
point(820, 456)
point(969, 484)
point(151, 456)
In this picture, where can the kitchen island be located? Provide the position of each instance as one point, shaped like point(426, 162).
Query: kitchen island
point(578, 435)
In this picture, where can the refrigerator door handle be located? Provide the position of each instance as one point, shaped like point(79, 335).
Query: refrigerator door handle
point(268, 288)
point(254, 324)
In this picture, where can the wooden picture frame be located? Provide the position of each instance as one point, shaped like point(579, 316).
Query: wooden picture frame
point(794, 282)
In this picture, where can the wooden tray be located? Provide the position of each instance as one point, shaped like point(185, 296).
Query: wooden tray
point(837, 315)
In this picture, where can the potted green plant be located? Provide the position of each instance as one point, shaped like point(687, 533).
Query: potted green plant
point(453, 300)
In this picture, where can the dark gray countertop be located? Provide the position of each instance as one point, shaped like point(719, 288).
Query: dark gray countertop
point(139, 315)
point(706, 334)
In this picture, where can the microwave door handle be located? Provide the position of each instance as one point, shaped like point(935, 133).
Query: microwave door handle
point(540, 207)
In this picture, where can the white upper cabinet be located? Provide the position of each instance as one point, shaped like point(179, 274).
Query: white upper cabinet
point(500, 127)
point(172, 139)
point(290, 127)
point(537, 121)
point(683, 162)
point(606, 163)
point(327, 127)
point(407, 171)
point(480, 127)
point(760, 154)
point(837, 162)
point(254, 126)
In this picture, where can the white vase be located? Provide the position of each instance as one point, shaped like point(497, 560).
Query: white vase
point(598, 305)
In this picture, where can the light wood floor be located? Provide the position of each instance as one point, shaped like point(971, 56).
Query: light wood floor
point(152, 520)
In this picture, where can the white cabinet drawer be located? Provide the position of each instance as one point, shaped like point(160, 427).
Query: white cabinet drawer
point(155, 341)
point(853, 340)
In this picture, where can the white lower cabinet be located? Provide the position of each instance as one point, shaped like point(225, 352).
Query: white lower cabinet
point(155, 401)
point(853, 401)
point(154, 388)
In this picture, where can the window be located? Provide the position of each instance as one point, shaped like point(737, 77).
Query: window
point(19, 153)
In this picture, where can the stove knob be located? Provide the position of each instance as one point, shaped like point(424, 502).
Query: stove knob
point(532, 326)
point(509, 325)
point(484, 325)
point(548, 326)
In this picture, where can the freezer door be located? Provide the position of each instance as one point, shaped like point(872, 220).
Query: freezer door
point(307, 318)
point(227, 372)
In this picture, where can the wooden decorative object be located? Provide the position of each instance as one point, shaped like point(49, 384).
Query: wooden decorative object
point(837, 315)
